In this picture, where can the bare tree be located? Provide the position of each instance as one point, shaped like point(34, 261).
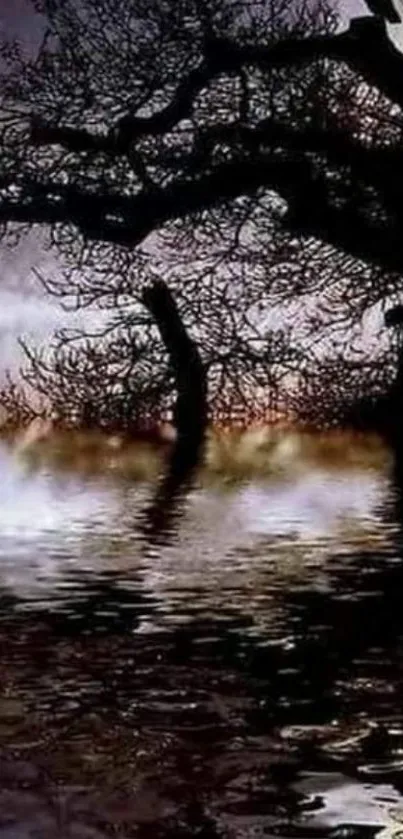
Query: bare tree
point(245, 151)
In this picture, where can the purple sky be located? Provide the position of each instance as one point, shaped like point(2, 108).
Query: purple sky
point(353, 7)
point(17, 17)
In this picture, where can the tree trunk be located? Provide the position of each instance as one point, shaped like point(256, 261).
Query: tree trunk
point(190, 413)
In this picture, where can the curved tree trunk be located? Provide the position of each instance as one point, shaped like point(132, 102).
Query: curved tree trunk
point(190, 413)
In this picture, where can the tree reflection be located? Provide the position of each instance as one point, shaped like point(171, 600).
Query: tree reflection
point(160, 519)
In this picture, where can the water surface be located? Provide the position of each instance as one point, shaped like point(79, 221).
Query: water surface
point(241, 675)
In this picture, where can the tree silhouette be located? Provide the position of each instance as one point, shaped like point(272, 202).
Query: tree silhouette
point(246, 151)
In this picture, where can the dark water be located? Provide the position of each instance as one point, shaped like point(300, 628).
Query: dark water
point(240, 676)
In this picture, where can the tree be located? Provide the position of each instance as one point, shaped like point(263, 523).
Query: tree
point(245, 149)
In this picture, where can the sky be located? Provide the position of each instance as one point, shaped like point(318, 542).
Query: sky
point(352, 8)
point(18, 17)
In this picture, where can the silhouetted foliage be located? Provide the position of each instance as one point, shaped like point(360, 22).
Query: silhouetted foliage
point(247, 153)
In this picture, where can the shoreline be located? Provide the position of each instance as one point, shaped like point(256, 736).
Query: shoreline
point(257, 450)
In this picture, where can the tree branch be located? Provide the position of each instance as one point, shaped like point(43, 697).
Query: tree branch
point(357, 46)
point(128, 220)
point(272, 157)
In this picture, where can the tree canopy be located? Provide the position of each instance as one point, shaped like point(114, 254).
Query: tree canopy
point(247, 151)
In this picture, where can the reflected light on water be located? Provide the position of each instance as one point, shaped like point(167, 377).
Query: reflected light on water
point(240, 677)
point(52, 523)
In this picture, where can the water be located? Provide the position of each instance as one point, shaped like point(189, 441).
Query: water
point(237, 674)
